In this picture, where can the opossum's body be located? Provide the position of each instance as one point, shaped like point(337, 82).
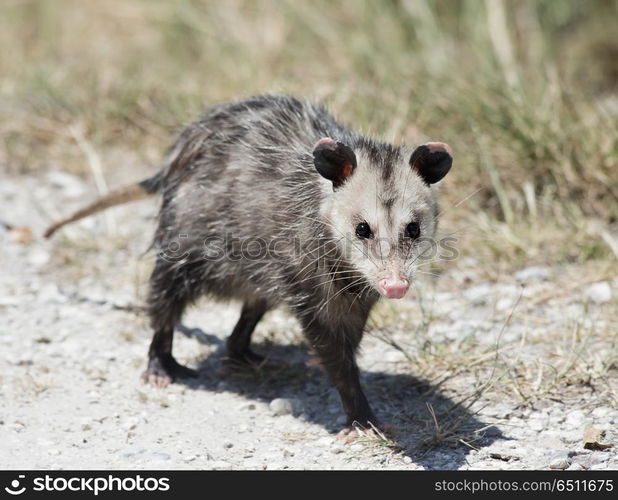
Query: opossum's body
point(272, 202)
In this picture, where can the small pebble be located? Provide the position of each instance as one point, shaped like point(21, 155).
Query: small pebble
point(533, 273)
point(600, 466)
point(575, 467)
point(39, 258)
point(325, 441)
point(601, 411)
point(338, 448)
point(71, 185)
point(221, 465)
point(575, 418)
point(130, 424)
point(599, 293)
point(559, 463)
point(311, 451)
point(281, 406)
point(395, 357)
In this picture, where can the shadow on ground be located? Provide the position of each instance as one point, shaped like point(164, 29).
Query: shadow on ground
point(399, 399)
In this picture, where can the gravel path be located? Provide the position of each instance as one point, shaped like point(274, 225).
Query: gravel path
point(73, 343)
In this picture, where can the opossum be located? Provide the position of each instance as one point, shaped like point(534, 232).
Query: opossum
point(271, 201)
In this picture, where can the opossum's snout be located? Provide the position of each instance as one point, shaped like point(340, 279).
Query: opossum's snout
point(393, 287)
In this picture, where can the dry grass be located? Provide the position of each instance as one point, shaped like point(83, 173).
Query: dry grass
point(515, 108)
point(553, 357)
point(526, 100)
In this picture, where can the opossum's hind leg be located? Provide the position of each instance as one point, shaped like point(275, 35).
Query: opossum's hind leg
point(238, 350)
point(170, 292)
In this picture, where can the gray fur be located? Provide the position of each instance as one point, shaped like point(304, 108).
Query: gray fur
point(246, 171)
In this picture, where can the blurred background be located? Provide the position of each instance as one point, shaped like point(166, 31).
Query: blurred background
point(524, 91)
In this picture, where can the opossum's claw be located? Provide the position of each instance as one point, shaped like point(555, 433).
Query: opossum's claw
point(351, 433)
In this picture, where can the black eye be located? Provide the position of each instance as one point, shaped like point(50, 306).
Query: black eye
point(363, 230)
point(413, 230)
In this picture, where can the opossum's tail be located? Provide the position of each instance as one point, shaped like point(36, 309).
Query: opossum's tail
point(133, 192)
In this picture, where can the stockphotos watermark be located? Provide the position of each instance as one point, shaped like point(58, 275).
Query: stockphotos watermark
point(93, 485)
point(228, 247)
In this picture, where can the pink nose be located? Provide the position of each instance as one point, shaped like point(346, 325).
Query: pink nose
point(393, 288)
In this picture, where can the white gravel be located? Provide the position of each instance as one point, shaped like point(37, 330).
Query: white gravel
point(72, 353)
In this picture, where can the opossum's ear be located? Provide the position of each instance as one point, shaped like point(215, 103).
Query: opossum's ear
point(432, 161)
point(334, 160)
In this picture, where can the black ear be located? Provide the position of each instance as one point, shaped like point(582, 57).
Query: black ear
point(334, 160)
point(432, 161)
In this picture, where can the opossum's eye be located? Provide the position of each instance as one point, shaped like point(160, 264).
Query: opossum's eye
point(363, 231)
point(413, 230)
point(334, 161)
point(432, 161)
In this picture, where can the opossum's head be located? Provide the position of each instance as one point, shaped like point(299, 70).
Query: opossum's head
point(382, 208)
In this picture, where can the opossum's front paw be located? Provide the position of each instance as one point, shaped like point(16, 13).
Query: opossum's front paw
point(163, 370)
point(352, 432)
